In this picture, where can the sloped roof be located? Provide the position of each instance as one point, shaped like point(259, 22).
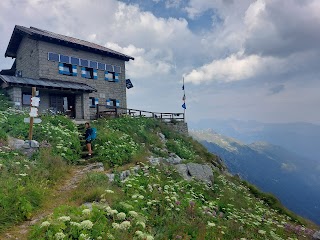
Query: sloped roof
point(20, 31)
point(46, 83)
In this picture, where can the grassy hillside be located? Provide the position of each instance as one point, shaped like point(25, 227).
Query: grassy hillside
point(155, 203)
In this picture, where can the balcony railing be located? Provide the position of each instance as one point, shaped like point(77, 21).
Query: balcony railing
point(113, 111)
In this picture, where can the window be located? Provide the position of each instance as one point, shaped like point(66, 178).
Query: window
point(26, 99)
point(53, 57)
point(113, 102)
point(74, 60)
point(101, 66)
point(93, 64)
point(65, 69)
point(84, 62)
point(64, 59)
point(109, 68)
point(90, 73)
point(93, 102)
point(111, 76)
point(117, 69)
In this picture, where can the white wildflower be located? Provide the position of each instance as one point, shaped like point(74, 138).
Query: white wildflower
point(116, 225)
point(45, 224)
point(110, 236)
point(75, 224)
point(86, 224)
point(64, 218)
point(84, 236)
point(109, 191)
point(59, 235)
point(113, 211)
point(139, 233)
point(86, 211)
point(211, 224)
point(142, 224)
point(262, 232)
point(121, 215)
point(133, 213)
point(125, 225)
point(149, 237)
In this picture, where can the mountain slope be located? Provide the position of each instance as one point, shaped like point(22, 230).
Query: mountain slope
point(290, 177)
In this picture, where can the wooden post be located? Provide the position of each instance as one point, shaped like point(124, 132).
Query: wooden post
point(116, 111)
point(31, 118)
point(97, 111)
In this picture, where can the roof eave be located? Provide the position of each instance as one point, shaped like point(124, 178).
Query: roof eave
point(16, 36)
point(82, 47)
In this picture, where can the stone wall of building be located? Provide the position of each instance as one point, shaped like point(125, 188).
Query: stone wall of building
point(180, 127)
point(15, 95)
point(105, 89)
point(32, 60)
point(27, 60)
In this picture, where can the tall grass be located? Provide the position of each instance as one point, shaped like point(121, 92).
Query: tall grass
point(25, 183)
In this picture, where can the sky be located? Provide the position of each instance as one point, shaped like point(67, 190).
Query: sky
point(240, 59)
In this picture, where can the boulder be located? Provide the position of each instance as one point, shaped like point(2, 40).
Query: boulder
point(173, 159)
point(16, 144)
point(162, 137)
point(110, 176)
point(124, 175)
point(202, 172)
point(316, 235)
point(24, 147)
point(155, 160)
point(183, 171)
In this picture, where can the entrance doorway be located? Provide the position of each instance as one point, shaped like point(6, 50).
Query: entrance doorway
point(63, 104)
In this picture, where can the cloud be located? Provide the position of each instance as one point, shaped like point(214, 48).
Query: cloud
point(235, 67)
point(288, 167)
point(147, 63)
point(259, 38)
point(173, 3)
point(276, 89)
point(281, 28)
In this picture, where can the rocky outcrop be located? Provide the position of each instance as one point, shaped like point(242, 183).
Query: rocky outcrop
point(124, 174)
point(201, 172)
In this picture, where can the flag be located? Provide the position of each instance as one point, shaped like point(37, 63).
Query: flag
point(184, 106)
point(183, 87)
point(184, 97)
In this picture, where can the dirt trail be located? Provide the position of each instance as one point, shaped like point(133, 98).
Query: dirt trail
point(61, 195)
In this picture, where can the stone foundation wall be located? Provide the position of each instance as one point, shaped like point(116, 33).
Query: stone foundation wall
point(15, 95)
point(180, 127)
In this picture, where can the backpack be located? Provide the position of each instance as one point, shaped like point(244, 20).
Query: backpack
point(93, 134)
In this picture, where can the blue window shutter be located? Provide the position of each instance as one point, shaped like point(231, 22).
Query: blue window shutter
point(116, 77)
point(108, 102)
point(74, 70)
point(118, 103)
point(106, 76)
point(95, 74)
point(83, 72)
point(60, 68)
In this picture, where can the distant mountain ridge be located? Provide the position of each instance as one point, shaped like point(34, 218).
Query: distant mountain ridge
point(300, 138)
point(294, 179)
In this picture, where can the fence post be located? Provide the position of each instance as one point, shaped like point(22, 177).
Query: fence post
point(116, 112)
point(97, 111)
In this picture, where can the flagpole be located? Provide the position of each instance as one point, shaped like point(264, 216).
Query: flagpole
point(184, 99)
